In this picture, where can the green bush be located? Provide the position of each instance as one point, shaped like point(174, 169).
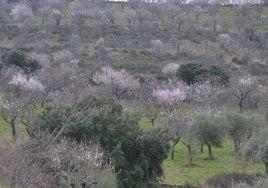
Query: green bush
point(194, 72)
point(136, 156)
point(20, 60)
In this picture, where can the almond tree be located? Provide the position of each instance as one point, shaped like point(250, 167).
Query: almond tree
point(206, 97)
point(78, 164)
point(21, 170)
point(22, 13)
point(170, 99)
point(116, 82)
point(170, 69)
point(181, 128)
point(158, 48)
point(147, 101)
point(242, 87)
point(20, 95)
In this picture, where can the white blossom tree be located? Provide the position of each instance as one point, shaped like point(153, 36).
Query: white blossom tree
point(22, 13)
point(20, 96)
point(158, 48)
point(78, 164)
point(116, 82)
point(242, 87)
point(206, 98)
point(170, 69)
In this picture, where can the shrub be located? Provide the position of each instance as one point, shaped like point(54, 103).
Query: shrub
point(194, 72)
point(20, 60)
point(228, 180)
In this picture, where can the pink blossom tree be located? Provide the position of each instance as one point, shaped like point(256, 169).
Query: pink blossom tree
point(116, 82)
point(170, 99)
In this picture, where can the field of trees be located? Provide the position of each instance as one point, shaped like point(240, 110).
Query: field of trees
point(137, 94)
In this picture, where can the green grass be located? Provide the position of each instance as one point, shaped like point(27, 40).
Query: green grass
point(5, 131)
point(4, 183)
point(178, 172)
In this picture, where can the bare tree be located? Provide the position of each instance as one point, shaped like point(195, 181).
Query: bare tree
point(181, 128)
point(22, 170)
point(241, 88)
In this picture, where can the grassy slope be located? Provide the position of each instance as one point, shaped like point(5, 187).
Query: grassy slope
point(177, 172)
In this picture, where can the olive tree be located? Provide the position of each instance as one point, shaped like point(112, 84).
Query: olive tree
point(241, 127)
point(256, 149)
point(211, 132)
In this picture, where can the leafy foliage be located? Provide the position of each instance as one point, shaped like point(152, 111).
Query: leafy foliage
point(241, 127)
point(136, 156)
point(194, 72)
point(20, 60)
point(211, 131)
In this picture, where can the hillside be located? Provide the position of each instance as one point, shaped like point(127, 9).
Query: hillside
point(136, 82)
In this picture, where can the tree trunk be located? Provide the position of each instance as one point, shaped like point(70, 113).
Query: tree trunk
point(190, 154)
point(172, 151)
point(12, 183)
point(210, 155)
point(13, 128)
point(235, 146)
point(266, 167)
point(201, 148)
point(173, 147)
point(240, 106)
point(152, 121)
point(58, 21)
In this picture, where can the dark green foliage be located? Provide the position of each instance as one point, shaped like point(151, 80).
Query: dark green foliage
point(20, 60)
point(218, 75)
point(51, 120)
point(194, 72)
point(237, 60)
point(251, 34)
point(155, 146)
point(136, 156)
